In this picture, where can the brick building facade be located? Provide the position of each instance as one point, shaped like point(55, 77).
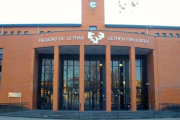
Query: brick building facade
point(71, 67)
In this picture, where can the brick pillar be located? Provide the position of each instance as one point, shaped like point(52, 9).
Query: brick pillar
point(35, 78)
point(133, 78)
point(108, 78)
point(81, 80)
point(156, 81)
point(153, 80)
point(56, 79)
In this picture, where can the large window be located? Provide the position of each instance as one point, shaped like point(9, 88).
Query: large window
point(141, 83)
point(94, 82)
point(45, 83)
point(1, 54)
point(120, 94)
point(69, 82)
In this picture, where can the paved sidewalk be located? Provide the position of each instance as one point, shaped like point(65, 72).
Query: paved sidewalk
point(21, 118)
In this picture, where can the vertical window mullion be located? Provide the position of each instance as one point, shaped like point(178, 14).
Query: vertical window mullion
point(67, 74)
point(73, 73)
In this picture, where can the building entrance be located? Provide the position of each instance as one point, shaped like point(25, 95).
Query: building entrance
point(45, 83)
point(69, 82)
point(120, 95)
point(94, 80)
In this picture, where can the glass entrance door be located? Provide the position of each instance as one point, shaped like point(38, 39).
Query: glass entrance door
point(120, 94)
point(45, 83)
point(94, 80)
point(69, 82)
point(70, 100)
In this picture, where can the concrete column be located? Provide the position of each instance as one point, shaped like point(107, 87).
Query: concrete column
point(81, 79)
point(56, 79)
point(133, 78)
point(108, 78)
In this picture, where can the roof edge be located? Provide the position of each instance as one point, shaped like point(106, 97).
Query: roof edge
point(141, 26)
point(40, 25)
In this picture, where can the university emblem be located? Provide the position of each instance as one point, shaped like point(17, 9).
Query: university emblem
point(95, 39)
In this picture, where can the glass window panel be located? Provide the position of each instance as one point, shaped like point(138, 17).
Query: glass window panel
point(0, 62)
point(164, 34)
point(52, 62)
point(92, 27)
point(1, 57)
point(26, 32)
point(138, 76)
point(43, 61)
point(19, 32)
point(177, 35)
point(98, 62)
point(115, 77)
point(76, 63)
point(98, 77)
point(65, 77)
point(70, 76)
point(86, 74)
point(48, 62)
point(93, 74)
point(157, 34)
point(86, 100)
point(86, 63)
point(93, 63)
point(76, 76)
point(1, 51)
point(138, 62)
point(115, 63)
point(65, 62)
point(42, 75)
point(124, 77)
point(70, 62)
point(12, 32)
point(48, 73)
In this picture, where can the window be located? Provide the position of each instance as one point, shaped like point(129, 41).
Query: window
point(5, 33)
point(143, 33)
point(45, 84)
point(157, 34)
point(41, 32)
point(177, 35)
point(48, 31)
point(0, 33)
point(164, 34)
point(170, 34)
point(12, 32)
point(93, 28)
point(26, 32)
point(19, 32)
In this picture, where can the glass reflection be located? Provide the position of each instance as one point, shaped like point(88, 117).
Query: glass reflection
point(94, 95)
point(69, 89)
point(141, 87)
point(46, 84)
point(120, 94)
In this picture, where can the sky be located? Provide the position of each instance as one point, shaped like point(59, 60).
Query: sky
point(40, 11)
point(127, 12)
point(146, 12)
